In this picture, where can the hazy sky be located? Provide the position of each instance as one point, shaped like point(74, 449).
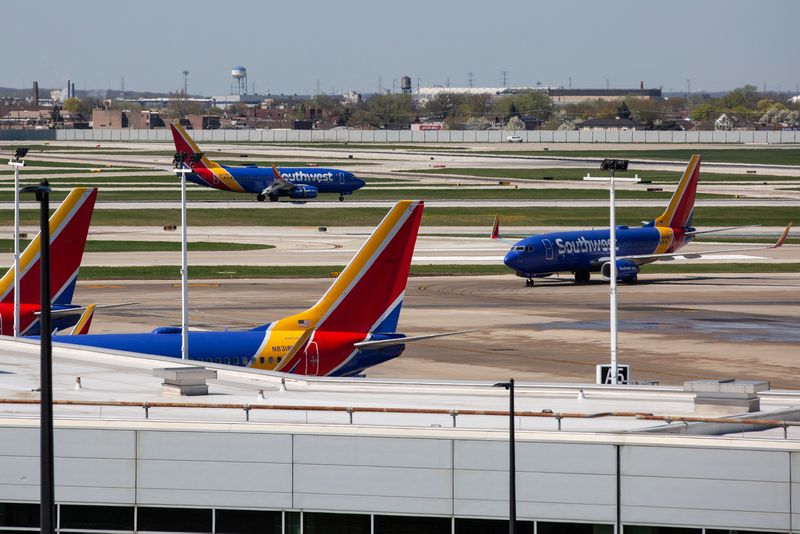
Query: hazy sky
point(347, 45)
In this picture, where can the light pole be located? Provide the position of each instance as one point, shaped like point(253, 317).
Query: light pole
point(512, 464)
point(17, 163)
point(613, 165)
point(47, 511)
point(180, 168)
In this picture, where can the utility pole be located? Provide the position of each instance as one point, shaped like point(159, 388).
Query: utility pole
point(470, 79)
point(504, 74)
point(185, 83)
point(17, 163)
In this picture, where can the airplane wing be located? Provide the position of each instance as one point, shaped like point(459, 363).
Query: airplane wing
point(82, 309)
point(381, 343)
point(281, 183)
point(647, 258)
point(698, 232)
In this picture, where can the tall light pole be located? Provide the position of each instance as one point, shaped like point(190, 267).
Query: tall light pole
point(613, 165)
point(512, 456)
point(47, 509)
point(185, 83)
point(17, 163)
point(180, 168)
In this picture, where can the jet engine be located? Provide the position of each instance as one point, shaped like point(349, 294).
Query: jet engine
point(303, 191)
point(626, 271)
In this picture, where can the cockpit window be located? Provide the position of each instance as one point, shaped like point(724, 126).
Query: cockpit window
point(518, 249)
point(529, 248)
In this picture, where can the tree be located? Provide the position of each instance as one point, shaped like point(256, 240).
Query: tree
point(704, 112)
point(72, 104)
point(623, 111)
point(515, 123)
point(382, 111)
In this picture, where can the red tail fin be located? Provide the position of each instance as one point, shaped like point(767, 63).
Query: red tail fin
point(69, 226)
point(185, 145)
point(679, 212)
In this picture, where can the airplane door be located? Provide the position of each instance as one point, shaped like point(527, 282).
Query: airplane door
point(312, 359)
point(548, 249)
point(341, 178)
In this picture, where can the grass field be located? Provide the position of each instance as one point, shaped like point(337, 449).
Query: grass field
point(578, 174)
point(328, 271)
point(7, 245)
point(769, 156)
point(506, 193)
point(483, 216)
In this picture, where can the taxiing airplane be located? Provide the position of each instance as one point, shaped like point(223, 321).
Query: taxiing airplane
point(585, 251)
point(352, 327)
point(264, 182)
point(69, 226)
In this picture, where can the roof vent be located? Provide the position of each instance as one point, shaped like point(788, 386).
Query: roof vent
point(728, 395)
point(185, 380)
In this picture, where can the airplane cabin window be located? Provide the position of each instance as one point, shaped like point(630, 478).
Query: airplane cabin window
point(261, 359)
point(271, 359)
point(227, 361)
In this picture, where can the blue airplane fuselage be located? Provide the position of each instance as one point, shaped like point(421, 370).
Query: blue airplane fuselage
point(583, 251)
point(257, 179)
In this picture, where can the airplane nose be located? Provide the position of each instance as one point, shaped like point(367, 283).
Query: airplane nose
point(512, 261)
point(359, 183)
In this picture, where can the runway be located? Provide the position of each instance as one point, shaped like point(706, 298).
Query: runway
point(386, 204)
point(672, 328)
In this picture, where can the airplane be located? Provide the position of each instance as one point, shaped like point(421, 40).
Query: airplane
point(351, 328)
point(272, 183)
point(583, 252)
point(69, 226)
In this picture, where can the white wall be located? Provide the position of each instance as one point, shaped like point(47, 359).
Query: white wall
point(701, 482)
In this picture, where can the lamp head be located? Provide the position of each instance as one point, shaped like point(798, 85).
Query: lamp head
point(20, 153)
point(178, 159)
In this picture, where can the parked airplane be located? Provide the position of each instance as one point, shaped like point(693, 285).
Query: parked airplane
point(264, 182)
point(352, 327)
point(69, 226)
point(585, 251)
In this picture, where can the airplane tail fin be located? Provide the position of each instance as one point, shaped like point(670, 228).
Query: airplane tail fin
point(69, 227)
point(84, 323)
point(185, 144)
point(681, 206)
point(368, 293)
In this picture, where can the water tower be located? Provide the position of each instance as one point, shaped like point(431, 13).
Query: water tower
point(239, 80)
point(405, 85)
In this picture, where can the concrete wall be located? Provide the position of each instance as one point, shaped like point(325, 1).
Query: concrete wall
point(699, 482)
point(444, 136)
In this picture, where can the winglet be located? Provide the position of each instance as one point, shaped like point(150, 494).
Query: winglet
point(496, 228)
point(277, 174)
point(84, 323)
point(783, 236)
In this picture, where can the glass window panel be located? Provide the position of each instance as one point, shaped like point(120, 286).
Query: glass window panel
point(574, 528)
point(292, 522)
point(97, 517)
point(636, 529)
point(174, 519)
point(398, 524)
point(247, 521)
point(19, 515)
point(318, 523)
point(490, 526)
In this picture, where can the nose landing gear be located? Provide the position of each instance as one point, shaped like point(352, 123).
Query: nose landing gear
point(529, 282)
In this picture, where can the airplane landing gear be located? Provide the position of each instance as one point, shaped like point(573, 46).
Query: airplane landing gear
point(341, 198)
point(582, 277)
point(529, 282)
point(261, 197)
point(273, 197)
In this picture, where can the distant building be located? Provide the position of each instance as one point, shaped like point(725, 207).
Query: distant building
point(204, 122)
point(36, 119)
point(574, 96)
point(610, 124)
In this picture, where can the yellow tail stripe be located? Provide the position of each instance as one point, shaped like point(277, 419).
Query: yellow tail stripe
point(57, 222)
point(666, 218)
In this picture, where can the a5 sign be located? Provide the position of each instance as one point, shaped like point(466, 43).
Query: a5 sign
point(603, 374)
